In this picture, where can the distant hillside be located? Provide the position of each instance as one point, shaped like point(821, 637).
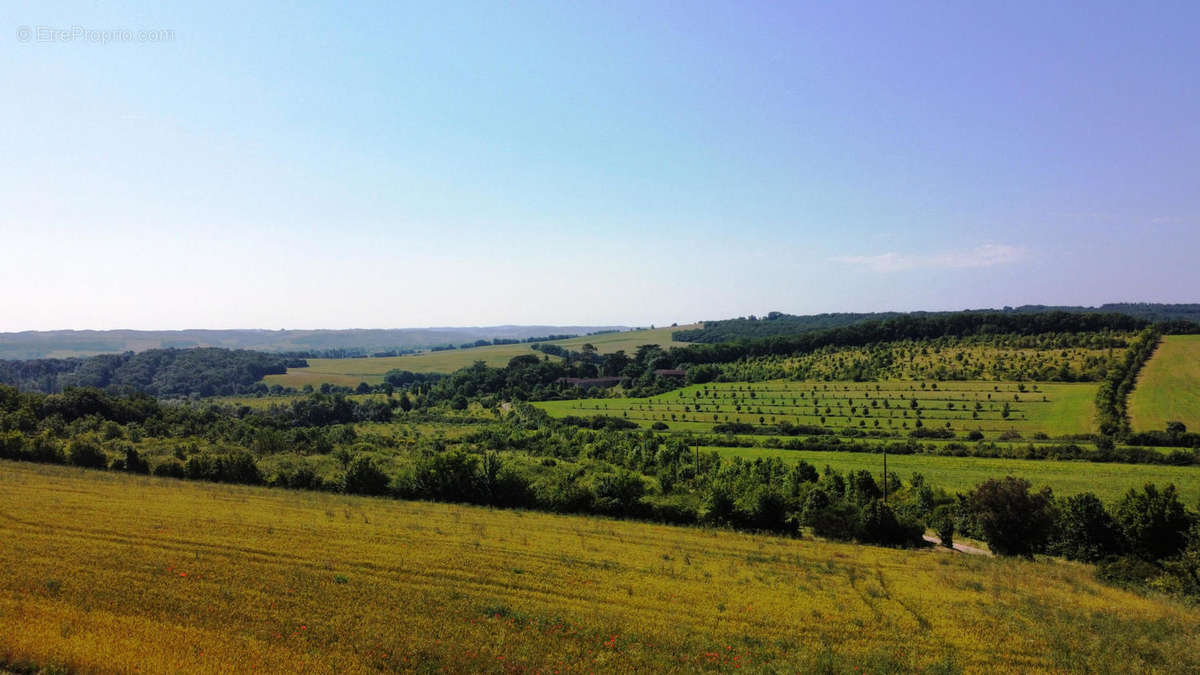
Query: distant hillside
point(73, 343)
point(777, 323)
point(166, 373)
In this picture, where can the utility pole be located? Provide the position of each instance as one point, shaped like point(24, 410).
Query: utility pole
point(885, 474)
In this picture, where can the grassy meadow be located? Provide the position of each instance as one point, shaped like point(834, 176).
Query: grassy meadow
point(349, 372)
point(111, 572)
point(1168, 388)
point(1051, 408)
point(1109, 481)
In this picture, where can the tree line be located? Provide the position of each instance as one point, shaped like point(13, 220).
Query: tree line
point(165, 373)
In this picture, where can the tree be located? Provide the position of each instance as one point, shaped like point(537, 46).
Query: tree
point(1155, 523)
point(406, 403)
point(1013, 520)
point(85, 452)
point(1085, 530)
point(364, 477)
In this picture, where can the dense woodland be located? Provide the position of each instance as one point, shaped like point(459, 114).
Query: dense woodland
point(779, 324)
point(165, 373)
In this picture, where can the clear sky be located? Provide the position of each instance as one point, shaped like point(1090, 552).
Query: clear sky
point(395, 164)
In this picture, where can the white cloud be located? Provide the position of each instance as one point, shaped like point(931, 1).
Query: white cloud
point(987, 255)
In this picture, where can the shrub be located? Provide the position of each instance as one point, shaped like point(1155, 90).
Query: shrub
point(1085, 531)
point(134, 463)
point(619, 494)
point(1013, 520)
point(364, 477)
point(170, 469)
point(1126, 571)
point(877, 524)
point(1154, 523)
point(659, 426)
point(766, 509)
point(87, 453)
point(943, 524)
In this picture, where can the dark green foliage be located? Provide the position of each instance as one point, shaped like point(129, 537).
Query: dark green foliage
point(878, 524)
point(364, 477)
point(1127, 571)
point(447, 476)
point(619, 494)
point(236, 467)
point(767, 510)
point(1085, 530)
point(170, 469)
point(164, 373)
point(1013, 520)
point(1155, 523)
point(1113, 396)
point(87, 453)
point(902, 327)
point(133, 462)
point(943, 523)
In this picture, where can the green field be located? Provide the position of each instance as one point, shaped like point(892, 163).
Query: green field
point(349, 372)
point(1107, 481)
point(1168, 388)
point(1051, 408)
point(107, 572)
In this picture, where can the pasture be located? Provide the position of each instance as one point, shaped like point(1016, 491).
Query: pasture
point(110, 572)
point(349, 372)
point(1109, 481)
point(896, 406)
point(1168, 388)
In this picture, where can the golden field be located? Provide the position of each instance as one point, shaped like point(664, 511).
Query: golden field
point(111, 572)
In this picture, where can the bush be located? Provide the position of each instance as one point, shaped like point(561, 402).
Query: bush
point(1127, 571)
point(87, 453)
point(364, 477)
point(766, 509)
point(877, 524)
point(675, 512)
point(619, 494)
point(170, 469)
point(943, 524)
point(659, 426)
point(1154, 523)
point(1013, 520)
point(134, 462)
point(1085, 531)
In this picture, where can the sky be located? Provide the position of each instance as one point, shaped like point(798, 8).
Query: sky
point(393, 164)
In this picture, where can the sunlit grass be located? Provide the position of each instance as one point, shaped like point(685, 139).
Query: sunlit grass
point(1109, 481)
point(119, 573)
point(1050, 408)
point(1168, 388)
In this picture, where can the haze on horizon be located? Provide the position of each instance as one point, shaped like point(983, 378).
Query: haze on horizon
point(590, 164)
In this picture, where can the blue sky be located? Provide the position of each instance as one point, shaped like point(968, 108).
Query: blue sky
point(394, 164)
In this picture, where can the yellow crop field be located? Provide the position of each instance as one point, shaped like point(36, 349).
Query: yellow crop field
point(349, 372)
point(112, 572)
